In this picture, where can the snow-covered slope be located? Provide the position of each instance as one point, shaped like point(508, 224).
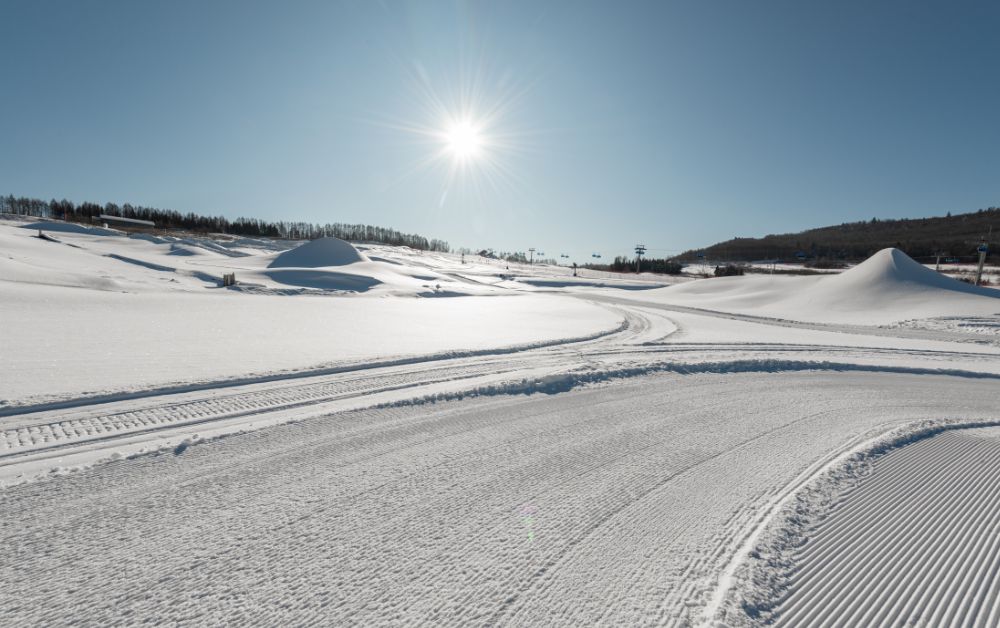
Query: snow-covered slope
point(71, 227)
point(628, 502)
point(886, 288)
point(89, 310)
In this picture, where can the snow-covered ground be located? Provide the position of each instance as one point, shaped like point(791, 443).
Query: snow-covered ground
point(914, 543)
point(375, 435)
point(94, 314)
point(887, 288)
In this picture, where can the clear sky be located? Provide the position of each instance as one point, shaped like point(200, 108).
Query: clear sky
point(573, 127)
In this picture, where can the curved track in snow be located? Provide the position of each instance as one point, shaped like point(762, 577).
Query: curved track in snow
point(916, 544)
point(77, 432)
point(603, 505)
point(600, 506)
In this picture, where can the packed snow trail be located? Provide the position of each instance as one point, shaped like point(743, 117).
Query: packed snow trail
point(915, 544)
point(913, 332)
point(79, 432)
point(597, 506)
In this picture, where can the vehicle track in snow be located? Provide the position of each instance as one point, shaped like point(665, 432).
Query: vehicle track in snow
point(599, 506)
point(910, 332)
point(645, 340)
point(61, 429)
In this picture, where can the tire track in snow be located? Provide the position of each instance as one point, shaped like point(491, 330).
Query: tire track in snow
point(408, 516)
point(538, 588)
point(74, 431)
point(843, 328)
point(264, 395)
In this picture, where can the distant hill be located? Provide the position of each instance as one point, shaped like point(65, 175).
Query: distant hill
point(921, 238)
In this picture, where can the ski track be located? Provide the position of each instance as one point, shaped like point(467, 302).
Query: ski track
point(598, 506)
point(636, 347)
point(916, 544)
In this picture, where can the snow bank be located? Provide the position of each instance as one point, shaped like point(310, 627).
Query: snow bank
point(318, 254)
point(70, 227)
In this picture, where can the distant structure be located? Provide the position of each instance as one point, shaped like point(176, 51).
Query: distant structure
point(108, 219)
point(982, 249)
point(640, 249)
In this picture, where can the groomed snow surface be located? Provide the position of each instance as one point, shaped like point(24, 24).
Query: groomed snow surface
point(371, 435)
point(612, 506)
point(916, 542)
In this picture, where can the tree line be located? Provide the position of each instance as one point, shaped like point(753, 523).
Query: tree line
point(623, 264)
point(922, 238)
point(87, 212)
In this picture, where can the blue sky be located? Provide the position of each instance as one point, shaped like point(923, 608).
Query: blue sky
point(604, 124)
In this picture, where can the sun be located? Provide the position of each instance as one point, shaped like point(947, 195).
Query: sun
point(466, 133)
point(463, 140)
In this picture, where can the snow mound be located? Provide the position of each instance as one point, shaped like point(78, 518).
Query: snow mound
point(887, 288)
point(318, 254)
point(323, 280)
point(893, 270)
point(70, 227)
point(890, 281)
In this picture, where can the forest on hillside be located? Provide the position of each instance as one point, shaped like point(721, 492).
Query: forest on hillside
point(168, 219)
point(953, 236)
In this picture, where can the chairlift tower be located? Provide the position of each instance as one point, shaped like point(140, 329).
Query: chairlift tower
point(983, 248)
point(640, 249)
point(531, 260)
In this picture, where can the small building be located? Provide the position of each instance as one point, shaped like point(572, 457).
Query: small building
point(118, 221)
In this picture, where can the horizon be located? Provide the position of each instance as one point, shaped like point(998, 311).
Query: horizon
point(571, 128)
point(557, 258)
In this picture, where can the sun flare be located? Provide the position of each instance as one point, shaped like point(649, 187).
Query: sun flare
point(466, 133)
point(464, 140)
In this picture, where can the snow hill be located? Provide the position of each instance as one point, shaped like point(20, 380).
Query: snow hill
point(894, 273)
point(887, 287)
point(319, 253)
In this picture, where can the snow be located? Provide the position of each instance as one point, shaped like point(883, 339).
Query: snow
point(929, 558)
point(605, 505)
point(367, 434)
point(71, 227)
point(887, 288)
point(318, 253)
point(892, 534)
point(75, 342)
